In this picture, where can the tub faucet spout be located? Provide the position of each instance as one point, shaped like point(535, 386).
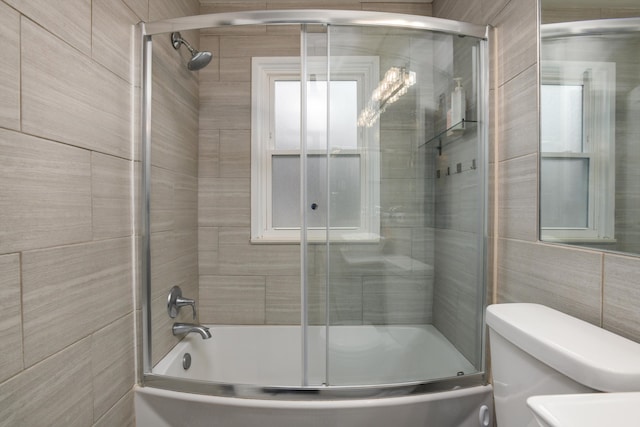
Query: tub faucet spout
point(186, 328)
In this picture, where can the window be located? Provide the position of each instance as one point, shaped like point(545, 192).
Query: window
point(276, 150)
point(577, 147)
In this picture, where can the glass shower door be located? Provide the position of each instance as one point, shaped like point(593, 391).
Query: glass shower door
point(314, 206)
point(402, 305)
point(314, 202)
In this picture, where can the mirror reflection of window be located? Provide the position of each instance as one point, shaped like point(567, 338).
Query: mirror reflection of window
point(576, 151)
point(564, 185)
point(600, 32)
point(565, 205)
point(561, 118)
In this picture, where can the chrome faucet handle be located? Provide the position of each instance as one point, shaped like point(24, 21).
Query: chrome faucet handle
point(181, 302)
point(175, 301)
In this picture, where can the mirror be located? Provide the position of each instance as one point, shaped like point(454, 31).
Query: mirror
point(590, 123)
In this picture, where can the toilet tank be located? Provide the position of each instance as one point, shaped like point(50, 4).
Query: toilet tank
point(536, 350)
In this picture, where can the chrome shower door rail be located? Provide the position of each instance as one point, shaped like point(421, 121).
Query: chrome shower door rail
point(321, 17)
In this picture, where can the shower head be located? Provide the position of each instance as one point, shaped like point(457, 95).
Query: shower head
point(198, 59)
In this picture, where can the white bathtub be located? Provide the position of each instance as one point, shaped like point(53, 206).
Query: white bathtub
point(270, 356)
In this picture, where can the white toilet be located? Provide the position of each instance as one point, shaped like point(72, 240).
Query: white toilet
point(536, 350)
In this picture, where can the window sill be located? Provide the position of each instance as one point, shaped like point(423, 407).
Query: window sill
point(359, 238)
point(577, 240)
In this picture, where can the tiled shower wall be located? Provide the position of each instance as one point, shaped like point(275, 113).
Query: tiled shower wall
point(457, 286)
point(66, 234)
point(174, 181)
point(593, 285)
point(566, 14)
point(241, 283)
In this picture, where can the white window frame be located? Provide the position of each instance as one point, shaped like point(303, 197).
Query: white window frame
point(599, 141)
point(267, 70)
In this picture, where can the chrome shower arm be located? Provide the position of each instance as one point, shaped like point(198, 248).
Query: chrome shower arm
point(177, 40)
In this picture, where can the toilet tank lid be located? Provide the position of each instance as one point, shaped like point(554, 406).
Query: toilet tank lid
point(583, 352)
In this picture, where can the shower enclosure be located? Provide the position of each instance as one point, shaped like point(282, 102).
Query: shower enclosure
point(321, 183)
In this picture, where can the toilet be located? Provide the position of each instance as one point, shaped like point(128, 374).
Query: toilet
point(536, 350)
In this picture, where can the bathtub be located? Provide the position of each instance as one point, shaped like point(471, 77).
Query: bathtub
point(250, 376)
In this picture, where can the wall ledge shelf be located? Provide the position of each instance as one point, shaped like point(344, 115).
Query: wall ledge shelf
point(452, 134)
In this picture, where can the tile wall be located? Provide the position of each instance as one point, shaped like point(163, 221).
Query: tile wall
point(457, 284)
point(241, 283)
point(174, 182)
point(593, 285)
point(550, 15)
point(66, 183)
point(415, 7)
point(66, 232)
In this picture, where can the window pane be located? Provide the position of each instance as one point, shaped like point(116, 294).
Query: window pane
point(287, 115)
point(344, 114)
point(564, 192)
point(285, 192)
point(317, 115)
point(561, 118)
point(345, 191)
point(344, 110)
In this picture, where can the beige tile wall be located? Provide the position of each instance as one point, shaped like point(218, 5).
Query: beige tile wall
point(11, 325)
point(415, 7)
point(66, 232)
point(551, 15)
point(590, 284)
point(174, 176)
point(68, 97)
point(10, 69)
point(255, 284)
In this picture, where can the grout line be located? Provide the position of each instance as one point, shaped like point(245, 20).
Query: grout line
point(497, 83)
point(264, 314)
point(491, 20)
point(496, 170)
point(21, 109)
point(21, 308)
point(91, 194)
point(91, 31)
